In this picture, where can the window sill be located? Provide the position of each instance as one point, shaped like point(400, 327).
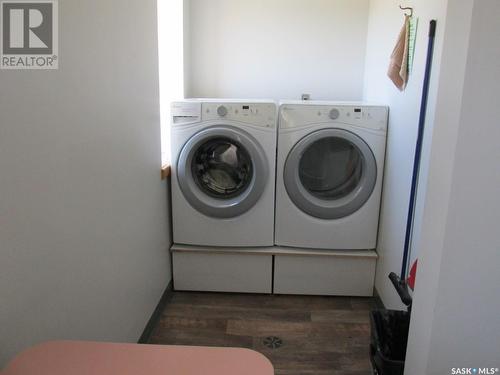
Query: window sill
point(165, 172)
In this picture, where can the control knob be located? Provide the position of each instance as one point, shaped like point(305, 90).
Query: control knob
point(221, 111)
point(334, 114)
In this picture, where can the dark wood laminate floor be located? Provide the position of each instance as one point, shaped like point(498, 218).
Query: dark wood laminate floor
point(320, 335)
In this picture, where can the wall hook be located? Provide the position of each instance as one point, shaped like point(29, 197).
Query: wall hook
point(407, 8)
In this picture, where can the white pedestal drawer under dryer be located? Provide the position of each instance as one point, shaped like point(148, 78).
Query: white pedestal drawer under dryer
point(329, 178)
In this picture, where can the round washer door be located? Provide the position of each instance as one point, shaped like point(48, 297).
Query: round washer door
point(330, 173)
point(222, 171)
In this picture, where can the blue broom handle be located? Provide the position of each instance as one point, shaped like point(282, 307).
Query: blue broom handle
point(418, 149)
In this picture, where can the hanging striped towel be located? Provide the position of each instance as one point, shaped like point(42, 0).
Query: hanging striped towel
point(398, 66)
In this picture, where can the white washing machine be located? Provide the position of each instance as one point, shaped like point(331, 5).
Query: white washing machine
point(329, 174)
point(223, 172)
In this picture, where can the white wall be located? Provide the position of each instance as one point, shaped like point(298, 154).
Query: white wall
point(277, 49)
point(385, 22)
point(455, 321)
point(83, 213)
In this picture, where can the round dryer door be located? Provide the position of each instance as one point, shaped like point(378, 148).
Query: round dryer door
point(222, 171)
point(330, 173)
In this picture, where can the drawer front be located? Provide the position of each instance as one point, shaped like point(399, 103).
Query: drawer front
point(324, 275)
point(219, 272)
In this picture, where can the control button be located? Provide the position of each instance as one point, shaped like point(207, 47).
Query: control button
point(222, 111)
point(334, 114)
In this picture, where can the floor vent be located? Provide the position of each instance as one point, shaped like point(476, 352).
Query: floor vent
point(273, 342)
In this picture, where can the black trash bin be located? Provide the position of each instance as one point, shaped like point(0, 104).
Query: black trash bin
point(389, 334)
point(389, 337)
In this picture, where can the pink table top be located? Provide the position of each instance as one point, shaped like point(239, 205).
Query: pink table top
point(94, 358)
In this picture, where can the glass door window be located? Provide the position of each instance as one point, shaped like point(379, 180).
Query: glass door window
point(222, 171)
point(331, 168)
point(222, 168)
point(330, 173)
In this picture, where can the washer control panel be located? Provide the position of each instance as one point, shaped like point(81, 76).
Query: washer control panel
point(259, 114)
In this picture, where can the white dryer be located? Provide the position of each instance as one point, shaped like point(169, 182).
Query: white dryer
point(223, 170)
point(329, 175)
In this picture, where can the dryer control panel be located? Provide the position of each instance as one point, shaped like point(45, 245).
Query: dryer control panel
point(258, 114)
point(371, 117)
